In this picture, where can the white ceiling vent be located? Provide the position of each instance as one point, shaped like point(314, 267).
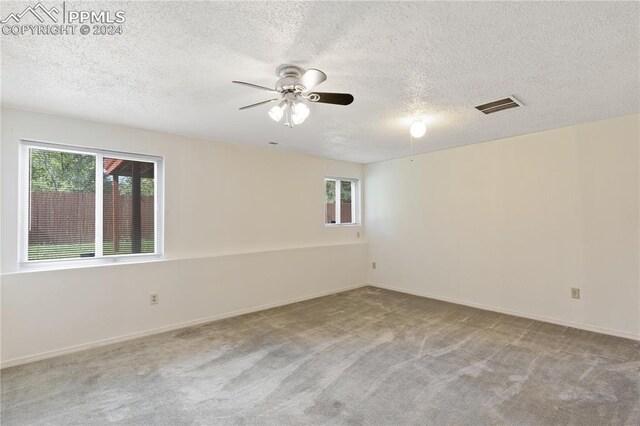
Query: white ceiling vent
point(499, 105)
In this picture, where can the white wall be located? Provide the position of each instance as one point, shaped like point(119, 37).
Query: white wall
point(511, 225)
point(243, 229)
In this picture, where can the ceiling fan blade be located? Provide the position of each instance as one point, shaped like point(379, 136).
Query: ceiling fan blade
point(311, 78)
point(259, 103)
point(255, 86)
point(331, 98)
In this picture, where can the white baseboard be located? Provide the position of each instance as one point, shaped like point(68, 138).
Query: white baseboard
point(95, 344)
point(581, 326)
point(104, 342)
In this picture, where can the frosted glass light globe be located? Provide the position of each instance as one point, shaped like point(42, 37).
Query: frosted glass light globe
point(300, 113)
point(276, 113)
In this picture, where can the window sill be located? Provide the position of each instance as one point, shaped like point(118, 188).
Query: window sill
point(48, 265)
point(337, 225)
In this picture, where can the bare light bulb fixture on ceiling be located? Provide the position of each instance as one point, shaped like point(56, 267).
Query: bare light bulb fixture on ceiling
point(418, 129)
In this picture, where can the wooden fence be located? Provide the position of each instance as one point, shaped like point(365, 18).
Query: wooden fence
point(69, 217)
point(345, 212)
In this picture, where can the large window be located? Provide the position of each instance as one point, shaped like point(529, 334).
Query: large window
point(83, 203)
point(341, 201)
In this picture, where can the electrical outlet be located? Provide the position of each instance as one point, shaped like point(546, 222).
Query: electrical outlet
point(373, 265)
point(575, 293)
point(358, 234)
point(153, 299)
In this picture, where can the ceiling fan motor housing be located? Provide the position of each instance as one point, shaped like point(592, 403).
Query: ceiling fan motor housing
point(289, 76)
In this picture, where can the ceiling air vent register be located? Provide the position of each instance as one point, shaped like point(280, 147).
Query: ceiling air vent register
point(499, 105)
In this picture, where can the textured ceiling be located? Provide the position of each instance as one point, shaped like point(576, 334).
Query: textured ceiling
point(172, 68)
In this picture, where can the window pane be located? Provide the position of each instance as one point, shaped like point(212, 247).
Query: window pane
point(128, 207)
point(330, 201)
point(61, 205)
point(345, 202)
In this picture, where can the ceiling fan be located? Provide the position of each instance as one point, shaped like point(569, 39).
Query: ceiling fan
point(293, 88)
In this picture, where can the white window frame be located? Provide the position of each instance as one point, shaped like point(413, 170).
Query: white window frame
point(355, 201)
point(24, 214)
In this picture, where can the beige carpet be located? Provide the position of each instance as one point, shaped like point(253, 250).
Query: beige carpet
point(366, 356)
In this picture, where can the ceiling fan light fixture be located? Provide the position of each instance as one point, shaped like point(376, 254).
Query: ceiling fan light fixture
point(288, 115)
point(277, 111)
point(418, 129)
point(300, 112)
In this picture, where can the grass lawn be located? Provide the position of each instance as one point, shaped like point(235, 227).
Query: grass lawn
point(70, 251)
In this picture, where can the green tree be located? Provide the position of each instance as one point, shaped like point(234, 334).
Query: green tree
point(125, 185)
point(62, 171)
point(70, 172)
point(345, 191)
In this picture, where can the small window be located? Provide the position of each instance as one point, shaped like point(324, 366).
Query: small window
point(341, 201)
point(90, 204)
